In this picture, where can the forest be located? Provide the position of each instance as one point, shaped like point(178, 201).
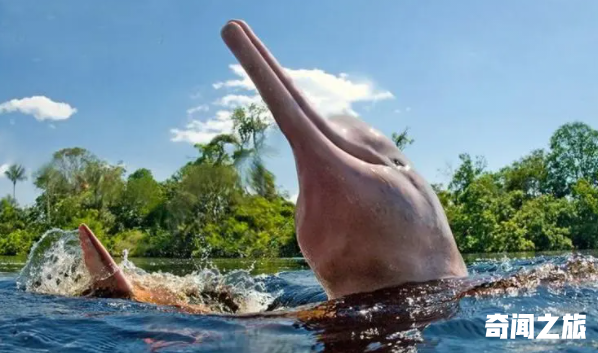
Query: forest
point(226, 203)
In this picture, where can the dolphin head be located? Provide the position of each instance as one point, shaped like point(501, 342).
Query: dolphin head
point(365, 218)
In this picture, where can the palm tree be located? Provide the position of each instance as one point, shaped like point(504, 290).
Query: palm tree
point(15, 173)
point(250, 125)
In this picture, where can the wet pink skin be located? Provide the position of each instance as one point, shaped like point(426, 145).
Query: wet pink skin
point(365, 218)
point(107, 277)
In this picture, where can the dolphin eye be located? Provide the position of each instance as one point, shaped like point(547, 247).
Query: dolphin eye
point(397, 162)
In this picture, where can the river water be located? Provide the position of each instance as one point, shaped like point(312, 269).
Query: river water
point(278, 306)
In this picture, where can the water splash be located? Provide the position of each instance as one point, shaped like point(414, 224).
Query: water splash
point(55, 266)
point(233, 292)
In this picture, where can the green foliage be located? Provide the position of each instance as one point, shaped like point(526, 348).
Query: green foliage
point(257, 227)
point(585, 226)
point(218, 205)
point(261, 180)
point(544, 201)
point(134, 241)
point(573, 156)
point(529, 174)
point(14, 240)
point(140, 201)
point(214, 152)
point(467, 172)
point(546, 221)
point(250, 126)
point(17, 242)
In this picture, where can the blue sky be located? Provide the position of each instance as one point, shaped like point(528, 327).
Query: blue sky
point(491, 78)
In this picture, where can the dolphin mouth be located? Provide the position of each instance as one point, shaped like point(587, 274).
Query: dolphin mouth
point(305, 129)
point(107, 277)
point(290, 110)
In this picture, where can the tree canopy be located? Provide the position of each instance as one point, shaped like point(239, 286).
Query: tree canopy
point(225, 203)
point(544, 201)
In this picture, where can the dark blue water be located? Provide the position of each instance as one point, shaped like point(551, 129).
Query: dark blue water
point(434, 317)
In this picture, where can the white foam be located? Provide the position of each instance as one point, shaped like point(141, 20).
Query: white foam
point(55, 266)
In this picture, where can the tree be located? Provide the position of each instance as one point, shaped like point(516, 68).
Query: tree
point(14, 240)
point(467, 172)
point(142, 196)
point(402, 140)
point(203, 209)
point(204, 196)
point(585, 227)
point(103, 183)
point(250, 125)
point(256, 227)
point(47, 179)
point(547, 200)
point(573, 156)
point(506, 210)
point(262, 181)
point(65, 172)
point(475, 215)
point(529, 174)
point(214, 152)
point(546, 220)
point(75, 181)
point(15, 173)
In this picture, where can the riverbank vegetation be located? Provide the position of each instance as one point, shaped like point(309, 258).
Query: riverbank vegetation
point(546, 200)
point(225, 203)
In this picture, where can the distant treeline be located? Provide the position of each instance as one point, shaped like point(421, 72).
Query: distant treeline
point(226, 203)
point(547, 200)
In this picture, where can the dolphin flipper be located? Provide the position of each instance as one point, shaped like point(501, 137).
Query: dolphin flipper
point(108, 279)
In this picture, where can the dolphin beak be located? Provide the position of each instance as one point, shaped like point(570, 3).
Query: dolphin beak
point(107, 277)
point(303, 127)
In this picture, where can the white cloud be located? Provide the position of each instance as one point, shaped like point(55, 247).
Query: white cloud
point(198, 109)
point(201, 132)
point(42, 108)
point(3, 168)
point(243, 83)
point(236, 100)
point(330, 94)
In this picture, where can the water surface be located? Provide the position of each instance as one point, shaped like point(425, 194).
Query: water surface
point(436, 317)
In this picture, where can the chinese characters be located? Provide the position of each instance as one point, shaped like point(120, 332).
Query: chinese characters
point(522, 325)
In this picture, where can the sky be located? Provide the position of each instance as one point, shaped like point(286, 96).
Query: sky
point(139, 82)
